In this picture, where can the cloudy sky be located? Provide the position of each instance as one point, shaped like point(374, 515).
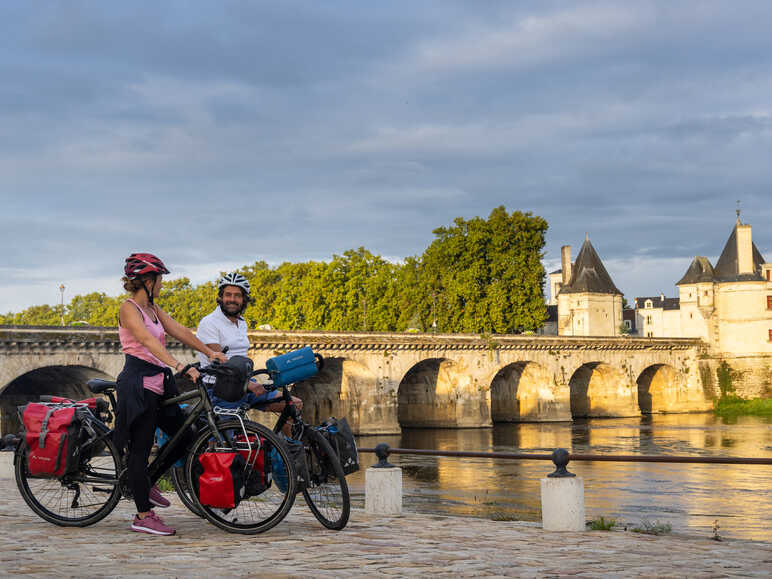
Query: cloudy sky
point(219, 133)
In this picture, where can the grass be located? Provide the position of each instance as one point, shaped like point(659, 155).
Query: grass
point(165, 485)
point(655, 528)
point(602, 524)
point(736, 406)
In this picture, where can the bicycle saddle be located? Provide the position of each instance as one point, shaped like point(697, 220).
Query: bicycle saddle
point(97, 385)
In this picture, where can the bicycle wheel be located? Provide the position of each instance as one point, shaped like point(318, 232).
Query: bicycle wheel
point(183, 489)
point(254, 514)
point(74, 500)
point(326, 490)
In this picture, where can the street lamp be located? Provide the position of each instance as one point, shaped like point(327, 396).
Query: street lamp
point(61, 292)
point(434, 313)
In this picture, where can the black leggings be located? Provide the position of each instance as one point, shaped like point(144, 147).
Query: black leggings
point(141, 439)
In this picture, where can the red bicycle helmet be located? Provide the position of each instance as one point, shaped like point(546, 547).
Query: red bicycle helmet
point(140, 263)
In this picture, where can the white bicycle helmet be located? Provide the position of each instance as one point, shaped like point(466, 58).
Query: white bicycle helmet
point(234, 278)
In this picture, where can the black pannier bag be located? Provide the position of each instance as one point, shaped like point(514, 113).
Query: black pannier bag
point(231, 378)
point(219, 478)
point(257, 456)
point(341, 439)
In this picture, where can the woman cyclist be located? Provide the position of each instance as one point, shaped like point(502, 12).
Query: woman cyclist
point(145, 380)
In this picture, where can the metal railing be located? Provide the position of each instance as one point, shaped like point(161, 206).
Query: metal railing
point(576, 457)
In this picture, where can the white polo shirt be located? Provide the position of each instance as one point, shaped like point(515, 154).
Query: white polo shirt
point(216, 328)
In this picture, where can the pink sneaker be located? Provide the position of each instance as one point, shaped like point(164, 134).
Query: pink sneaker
point(157, 499)
point(152, 524)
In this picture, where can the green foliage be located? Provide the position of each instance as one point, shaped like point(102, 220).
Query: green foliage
point(602, 524)
point(655, 528)
point(623, 329)
point(725, 376)
point(477, 275)
point(729, 406)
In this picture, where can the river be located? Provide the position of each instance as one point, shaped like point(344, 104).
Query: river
point(689, 497)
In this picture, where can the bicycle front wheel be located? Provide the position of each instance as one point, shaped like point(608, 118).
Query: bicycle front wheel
point(74, 500)
point(256, 512)
point(183, 489)
point(326, 490)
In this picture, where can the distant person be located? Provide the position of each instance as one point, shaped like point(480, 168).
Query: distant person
point(145, 380)
point(226, 328)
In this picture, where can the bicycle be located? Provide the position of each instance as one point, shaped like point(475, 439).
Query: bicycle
point(89, 494)
point(321, 480)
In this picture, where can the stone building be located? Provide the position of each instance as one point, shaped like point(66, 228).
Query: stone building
point(657, 316)
point(588, 302)
point(729, 306)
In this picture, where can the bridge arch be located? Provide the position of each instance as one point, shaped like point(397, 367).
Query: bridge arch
point(67, 381)
point(659, 386)
point(526, 392)
point(442, 393)
point(346, 388)
point(601, 390)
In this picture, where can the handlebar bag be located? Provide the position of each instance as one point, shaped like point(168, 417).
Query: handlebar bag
point(231, 378)
point(292, 367)
point(218, 477)
point(52, 434)
point(340, 437)
point(257, 457)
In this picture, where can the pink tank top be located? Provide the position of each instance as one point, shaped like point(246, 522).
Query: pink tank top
point(130, 345)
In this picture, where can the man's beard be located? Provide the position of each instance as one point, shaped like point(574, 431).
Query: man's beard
point(231, 309)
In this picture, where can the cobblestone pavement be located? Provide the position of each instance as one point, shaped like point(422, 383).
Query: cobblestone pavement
point(408, 545)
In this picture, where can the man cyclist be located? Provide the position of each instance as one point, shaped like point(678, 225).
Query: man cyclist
point(225, 327)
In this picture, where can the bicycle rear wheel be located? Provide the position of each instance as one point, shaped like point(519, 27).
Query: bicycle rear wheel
point(74, 500)
point(326, 490)
point(254, 514)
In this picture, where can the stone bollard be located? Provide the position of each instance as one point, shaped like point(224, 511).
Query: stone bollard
point(383, 485)
point(562, 497)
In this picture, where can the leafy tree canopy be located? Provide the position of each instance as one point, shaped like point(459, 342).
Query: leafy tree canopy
point(478, 275)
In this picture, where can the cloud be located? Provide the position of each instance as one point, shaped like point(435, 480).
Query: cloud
point(231, 132)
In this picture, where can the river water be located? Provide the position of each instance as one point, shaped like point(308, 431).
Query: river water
point(689, 497)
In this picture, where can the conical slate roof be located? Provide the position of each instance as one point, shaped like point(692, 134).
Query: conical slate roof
point(589, 275)
point(727, 265)
point(699, 271)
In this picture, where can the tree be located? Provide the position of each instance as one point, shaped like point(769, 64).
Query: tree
point(487, 275)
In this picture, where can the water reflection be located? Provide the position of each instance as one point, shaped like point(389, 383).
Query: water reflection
point(687, 496)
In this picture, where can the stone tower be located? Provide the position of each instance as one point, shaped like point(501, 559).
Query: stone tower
point(589, 304)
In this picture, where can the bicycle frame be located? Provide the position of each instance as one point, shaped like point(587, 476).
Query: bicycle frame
point(203, 404)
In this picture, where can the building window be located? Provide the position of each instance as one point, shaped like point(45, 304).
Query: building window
point(691, 315)
point(648, 304)
point(648, 319)
point(769, 302)
point(769, 275)
point(628, 325)
point(705, 293)
point(770, 335)
point(651, 334)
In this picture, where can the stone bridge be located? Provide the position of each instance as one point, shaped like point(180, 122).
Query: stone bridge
point(384, 381)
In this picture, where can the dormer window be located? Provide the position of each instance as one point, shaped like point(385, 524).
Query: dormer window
point(648, 304)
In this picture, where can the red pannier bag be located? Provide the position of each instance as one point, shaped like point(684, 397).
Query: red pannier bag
point(219, 479)
point(258, 463)
point(52, 434)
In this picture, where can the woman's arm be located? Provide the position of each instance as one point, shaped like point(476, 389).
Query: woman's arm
point(132, 320)
point(184, 335)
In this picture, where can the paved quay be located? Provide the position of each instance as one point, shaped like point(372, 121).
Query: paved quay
point(408, 545)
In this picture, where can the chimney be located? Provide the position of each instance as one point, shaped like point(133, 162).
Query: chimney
point(744, 249)
point(662, 297)
point(565, 263)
